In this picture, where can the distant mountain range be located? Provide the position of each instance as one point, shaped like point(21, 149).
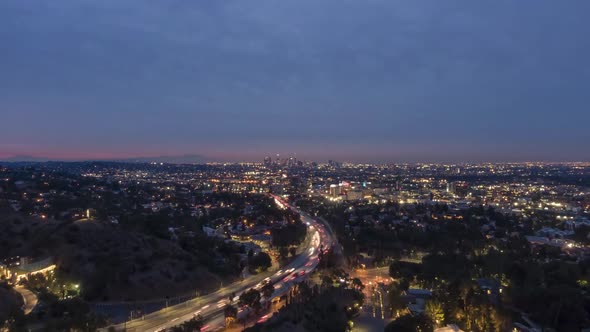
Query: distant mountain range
point(179, 159)
point(23, 158)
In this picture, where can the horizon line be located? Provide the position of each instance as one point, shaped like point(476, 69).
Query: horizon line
point(212, 162)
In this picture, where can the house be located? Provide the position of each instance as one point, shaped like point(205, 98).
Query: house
point(554, 233)
point(572, 225)
point(542, 241)
point(491, 287)
point(416, 299)
point(211, 232)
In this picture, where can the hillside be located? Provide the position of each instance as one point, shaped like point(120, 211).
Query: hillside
point(10, 302)
point(110, 263)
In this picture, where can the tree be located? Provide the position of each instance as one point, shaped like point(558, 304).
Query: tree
point(409, 323)
point(71, 315)
point(14, 320)
point(401, 269)
point(250, 298)
point(231, 313)
point(434, 311)
point(291, 234)
point(283, 252)
point(267, 290)
point(327, 281)
point(357, 284)
point(304, 292)
point(396, 302)
point(259, 262)
point(444, 266)
point(193, 325)
point(581, 234)
point(481, 315)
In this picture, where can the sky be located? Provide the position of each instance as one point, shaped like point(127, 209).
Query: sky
point(351, 80)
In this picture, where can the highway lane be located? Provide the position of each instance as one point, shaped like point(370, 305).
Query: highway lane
point(213, 313)
point(211, 306)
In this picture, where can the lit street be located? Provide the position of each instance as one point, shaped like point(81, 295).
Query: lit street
point(211, 306)
point(29, 299)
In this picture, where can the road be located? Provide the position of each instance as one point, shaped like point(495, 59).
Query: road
point(29, 299)
point(372, 275)
point(211, 306)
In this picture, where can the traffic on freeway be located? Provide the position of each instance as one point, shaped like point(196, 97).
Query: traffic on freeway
point(211, 306)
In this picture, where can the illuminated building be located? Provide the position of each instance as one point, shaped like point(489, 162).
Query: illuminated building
point(334, 190)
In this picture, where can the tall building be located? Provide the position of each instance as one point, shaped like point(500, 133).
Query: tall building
point(267, 161)
point(451, 187)
point(335, 164)
point(334, 190)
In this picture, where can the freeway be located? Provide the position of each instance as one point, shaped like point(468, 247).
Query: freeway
point(211, 306)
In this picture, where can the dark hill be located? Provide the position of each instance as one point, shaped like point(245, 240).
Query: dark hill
point(110, 263)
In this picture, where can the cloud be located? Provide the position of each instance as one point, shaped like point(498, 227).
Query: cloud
point(377, 73)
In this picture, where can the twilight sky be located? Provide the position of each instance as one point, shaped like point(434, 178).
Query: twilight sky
point(356, 80)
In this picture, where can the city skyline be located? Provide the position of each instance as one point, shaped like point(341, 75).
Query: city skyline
point(259, 158)
point(381, 82)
